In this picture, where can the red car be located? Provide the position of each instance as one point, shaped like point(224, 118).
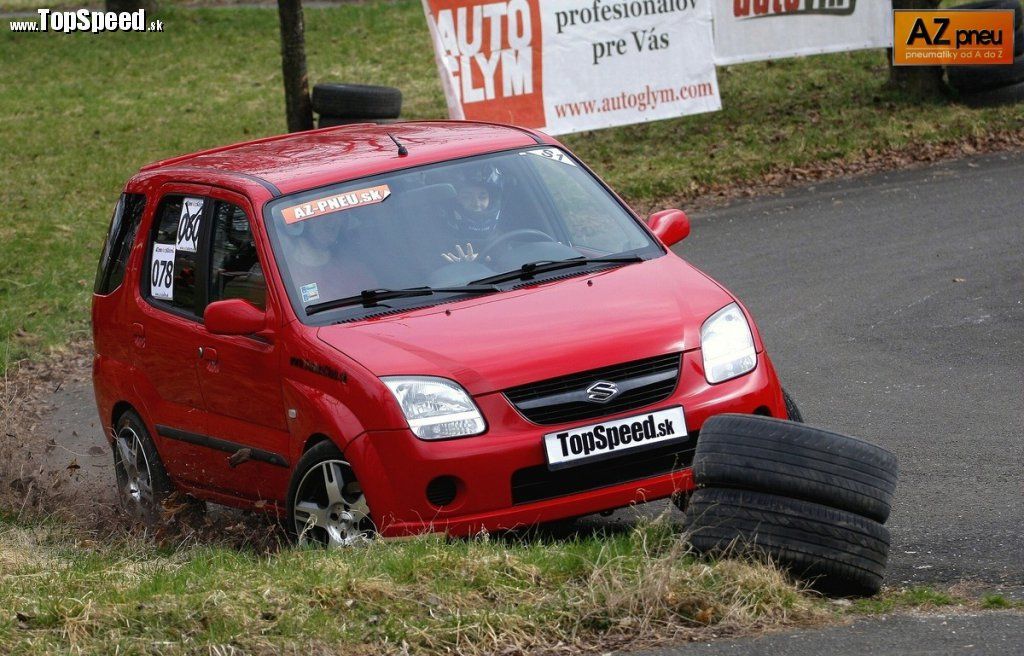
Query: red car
point(432, 326)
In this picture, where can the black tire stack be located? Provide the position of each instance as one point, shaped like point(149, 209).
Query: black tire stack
point(995, 84)
point(814, 501)
point(344, 104)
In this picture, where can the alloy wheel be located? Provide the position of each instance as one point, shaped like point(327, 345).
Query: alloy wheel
point(330, 508)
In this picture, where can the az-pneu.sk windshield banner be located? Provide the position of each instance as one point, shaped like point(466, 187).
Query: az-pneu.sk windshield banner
point(753, 30)
point(570, 65)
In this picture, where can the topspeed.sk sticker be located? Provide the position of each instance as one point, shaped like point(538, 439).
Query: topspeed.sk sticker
point(188, 225)
point(161, 276)
point(553, 154)
point(335, 202)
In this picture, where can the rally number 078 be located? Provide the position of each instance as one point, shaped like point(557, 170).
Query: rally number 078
point(161, 274)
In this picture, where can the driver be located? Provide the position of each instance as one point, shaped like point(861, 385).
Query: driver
point(477, 212)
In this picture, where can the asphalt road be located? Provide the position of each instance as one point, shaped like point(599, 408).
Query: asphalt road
point(975, 634)
point(893, 308)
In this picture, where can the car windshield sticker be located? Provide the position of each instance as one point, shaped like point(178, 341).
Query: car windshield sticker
point(161, 277)
point(553, 154)
point(310, 292)
point(188, 224)
point(335, 203)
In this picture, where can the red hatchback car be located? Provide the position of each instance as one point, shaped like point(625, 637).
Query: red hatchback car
point(433, 326)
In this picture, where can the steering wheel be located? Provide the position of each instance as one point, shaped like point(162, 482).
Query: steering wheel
point(526, 234)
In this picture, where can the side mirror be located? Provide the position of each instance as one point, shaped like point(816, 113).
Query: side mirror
point(670, 226)
point(234, 317)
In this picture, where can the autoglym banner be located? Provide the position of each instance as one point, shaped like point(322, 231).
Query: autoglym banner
point(569, 65)
point(754, 30)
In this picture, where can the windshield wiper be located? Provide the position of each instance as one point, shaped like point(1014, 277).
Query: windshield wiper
point(531, 269)
point(371, 297)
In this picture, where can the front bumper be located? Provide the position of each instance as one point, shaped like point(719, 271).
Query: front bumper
point(395, 468)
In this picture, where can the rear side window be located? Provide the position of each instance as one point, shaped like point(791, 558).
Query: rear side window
point(235, 270)
point(173, 265)
point(124, 226)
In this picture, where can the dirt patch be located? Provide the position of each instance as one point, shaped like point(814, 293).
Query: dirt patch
point(38, 473)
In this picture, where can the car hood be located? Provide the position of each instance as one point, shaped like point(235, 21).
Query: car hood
point(543, 331)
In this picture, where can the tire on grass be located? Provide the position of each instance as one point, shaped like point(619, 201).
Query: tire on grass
point(1015, 5)
point(836, 551)
point(327, 121)
point(357, 101)
point(142, 481)
point(795, 460)
point(972, 79)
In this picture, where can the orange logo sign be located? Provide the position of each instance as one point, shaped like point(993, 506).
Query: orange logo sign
point(952, 37)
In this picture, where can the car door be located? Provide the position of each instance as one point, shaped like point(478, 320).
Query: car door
point(239, 374)
point(164, 323)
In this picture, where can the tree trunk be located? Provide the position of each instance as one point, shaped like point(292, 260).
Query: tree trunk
point(298, 109)
point(128, 5)
point(917, 81)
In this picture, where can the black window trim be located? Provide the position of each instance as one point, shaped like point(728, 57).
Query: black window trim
point(101, 286)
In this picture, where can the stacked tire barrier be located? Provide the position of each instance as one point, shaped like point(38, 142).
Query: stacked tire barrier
point(995, 83)
point(812, 500)
point(343, 104)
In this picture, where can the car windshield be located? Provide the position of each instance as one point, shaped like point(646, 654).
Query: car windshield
point(448, 229)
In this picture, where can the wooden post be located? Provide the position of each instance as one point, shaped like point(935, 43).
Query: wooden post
point(917, 81)
point(298, 109)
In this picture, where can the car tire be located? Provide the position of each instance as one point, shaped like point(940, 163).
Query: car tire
point(972, 79)
point(326, 121)
point(994, 97)
point(792, 411)
point(837, 551)
point(795, 460)
point(142, 481)
point(1015, 5)
point(326, 505)
point(357, 101)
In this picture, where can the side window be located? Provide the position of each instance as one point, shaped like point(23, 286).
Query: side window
point(235, 270)
point(173, 265)
point(124, 225)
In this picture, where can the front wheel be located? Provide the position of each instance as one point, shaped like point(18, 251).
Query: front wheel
point(326, 504)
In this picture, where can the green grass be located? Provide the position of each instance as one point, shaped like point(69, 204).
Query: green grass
point(81, 113)
point(429, 595)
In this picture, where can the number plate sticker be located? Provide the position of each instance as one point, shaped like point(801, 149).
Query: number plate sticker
point(161, 278)
point(614, 437)
point(553, 154)
point(188, 225)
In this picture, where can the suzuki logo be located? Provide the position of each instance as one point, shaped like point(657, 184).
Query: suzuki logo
point(602, 391)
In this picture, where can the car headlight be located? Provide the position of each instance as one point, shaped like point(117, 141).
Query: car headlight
point(436, 408)
point(727, 345)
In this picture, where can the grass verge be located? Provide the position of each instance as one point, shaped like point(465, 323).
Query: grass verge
point(426, 595)
point(82, 112)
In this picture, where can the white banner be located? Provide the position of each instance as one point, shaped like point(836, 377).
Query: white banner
point(754, 30)
point(570, 65)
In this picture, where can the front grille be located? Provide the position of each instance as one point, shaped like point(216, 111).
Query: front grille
point(539, 483)
point(564, 399)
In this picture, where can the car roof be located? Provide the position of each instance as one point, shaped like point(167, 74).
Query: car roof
point(294, 162)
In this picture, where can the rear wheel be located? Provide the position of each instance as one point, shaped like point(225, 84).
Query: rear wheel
point(326, 504)
point(142, 481)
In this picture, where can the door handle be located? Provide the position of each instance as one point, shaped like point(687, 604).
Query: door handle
point(138, 334)
point(208, 354)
